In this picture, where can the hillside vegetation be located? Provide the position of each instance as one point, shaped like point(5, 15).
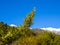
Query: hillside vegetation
point(23, 35)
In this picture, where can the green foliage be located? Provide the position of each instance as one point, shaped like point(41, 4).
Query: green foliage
point(28, 20)
point(3, 29)
point(48, 38)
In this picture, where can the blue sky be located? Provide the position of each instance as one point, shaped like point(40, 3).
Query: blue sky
point(47, 12)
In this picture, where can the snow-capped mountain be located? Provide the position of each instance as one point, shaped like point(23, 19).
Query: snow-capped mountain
point(51, 29)
point(55, 30)
point(13, 25)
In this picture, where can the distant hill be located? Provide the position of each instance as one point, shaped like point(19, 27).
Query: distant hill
point(53, 30)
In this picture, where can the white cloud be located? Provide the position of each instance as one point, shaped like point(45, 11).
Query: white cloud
point(51, 29)
point(13, 25)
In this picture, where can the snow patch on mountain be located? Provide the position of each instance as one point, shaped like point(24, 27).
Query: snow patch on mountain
point(13, 25)
point(51, 29)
